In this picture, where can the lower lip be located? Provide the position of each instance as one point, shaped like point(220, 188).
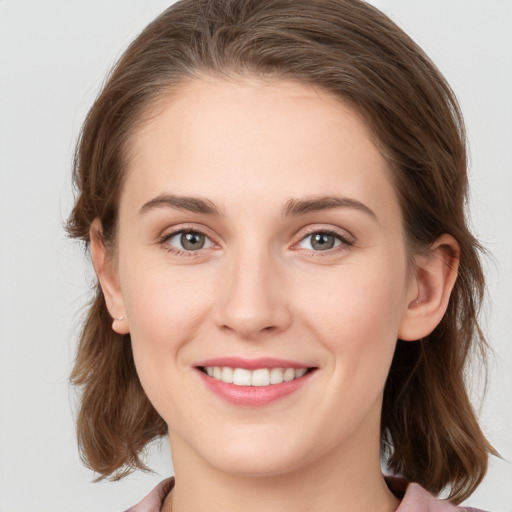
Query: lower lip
point(254, 396)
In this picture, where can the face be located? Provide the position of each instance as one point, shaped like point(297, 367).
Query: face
point(260, 240)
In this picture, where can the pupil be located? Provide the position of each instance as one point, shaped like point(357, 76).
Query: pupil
point(323, 241)
point(192, 241)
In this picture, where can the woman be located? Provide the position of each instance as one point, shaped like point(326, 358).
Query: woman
point(273, 194)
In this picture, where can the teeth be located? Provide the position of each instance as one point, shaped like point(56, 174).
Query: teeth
point(242, 377)
point(289, 374)
point(259, 377)
point(276, 376)
point(227, 374)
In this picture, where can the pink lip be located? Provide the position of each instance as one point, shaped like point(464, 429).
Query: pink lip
point(252, 396)
point(252, 364)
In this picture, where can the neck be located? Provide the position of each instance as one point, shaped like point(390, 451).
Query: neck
point(348, 479)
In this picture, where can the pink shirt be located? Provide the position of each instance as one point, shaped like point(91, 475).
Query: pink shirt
point(415, 499)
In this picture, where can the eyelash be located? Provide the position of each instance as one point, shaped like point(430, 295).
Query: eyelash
point(182, 252)
point(344, 244)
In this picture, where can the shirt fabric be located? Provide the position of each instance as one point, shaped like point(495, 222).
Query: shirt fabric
point(414, 498)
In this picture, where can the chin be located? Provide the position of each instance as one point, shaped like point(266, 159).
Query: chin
point(258, 466)
point(266, 458)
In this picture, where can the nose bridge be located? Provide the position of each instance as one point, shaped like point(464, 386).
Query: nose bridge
point(254, 298)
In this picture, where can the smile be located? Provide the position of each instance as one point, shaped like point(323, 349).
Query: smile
point(257, 378)
point(254, 382)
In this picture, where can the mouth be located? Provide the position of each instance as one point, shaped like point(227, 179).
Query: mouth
point(256, 382)
point(255, 378)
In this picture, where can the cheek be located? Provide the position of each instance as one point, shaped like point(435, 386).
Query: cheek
point(165, 307)
point(165, 311)
point(358, 319)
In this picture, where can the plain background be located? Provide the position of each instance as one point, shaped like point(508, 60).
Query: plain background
point(53, 58)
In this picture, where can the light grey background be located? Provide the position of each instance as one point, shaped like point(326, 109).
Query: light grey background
point(53, 58)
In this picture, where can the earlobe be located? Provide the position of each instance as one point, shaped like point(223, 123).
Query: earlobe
point(430, 289)
point(106, 270)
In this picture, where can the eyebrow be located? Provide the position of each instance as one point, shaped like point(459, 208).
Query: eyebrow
point(296, 207)
point(292, 208)
point(191, 204)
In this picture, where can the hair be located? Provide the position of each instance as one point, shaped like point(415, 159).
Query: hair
point(351, 50)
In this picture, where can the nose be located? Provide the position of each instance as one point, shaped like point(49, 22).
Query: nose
point(253, 302)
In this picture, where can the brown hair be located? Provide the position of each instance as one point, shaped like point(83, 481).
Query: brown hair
point(350, 49)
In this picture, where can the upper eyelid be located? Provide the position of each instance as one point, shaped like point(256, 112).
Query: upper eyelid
point(342, 242)
point(342, 233)
point(300, 235)
point(169, 233)
point(190, 228)
point(166, 236)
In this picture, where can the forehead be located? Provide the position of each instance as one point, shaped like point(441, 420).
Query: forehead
point(227, 139)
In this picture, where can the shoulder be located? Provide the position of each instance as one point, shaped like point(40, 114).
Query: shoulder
point(414, 498)
point(417, 499)
point(154, 500)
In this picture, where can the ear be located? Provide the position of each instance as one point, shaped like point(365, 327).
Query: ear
point(106, 270)
point(430, 288)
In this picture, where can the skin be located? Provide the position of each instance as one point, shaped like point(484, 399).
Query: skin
point(258, 288)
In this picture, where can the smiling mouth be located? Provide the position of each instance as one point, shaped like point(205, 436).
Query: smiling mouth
point(255, 378)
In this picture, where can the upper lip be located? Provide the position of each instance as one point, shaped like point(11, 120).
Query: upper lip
point(252, 364)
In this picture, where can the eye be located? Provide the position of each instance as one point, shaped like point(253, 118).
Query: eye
point(188, 241)
point(322, 241)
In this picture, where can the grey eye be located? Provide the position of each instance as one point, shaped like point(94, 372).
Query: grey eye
point(189, 241)
point(192, 241)
point(320, 241)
